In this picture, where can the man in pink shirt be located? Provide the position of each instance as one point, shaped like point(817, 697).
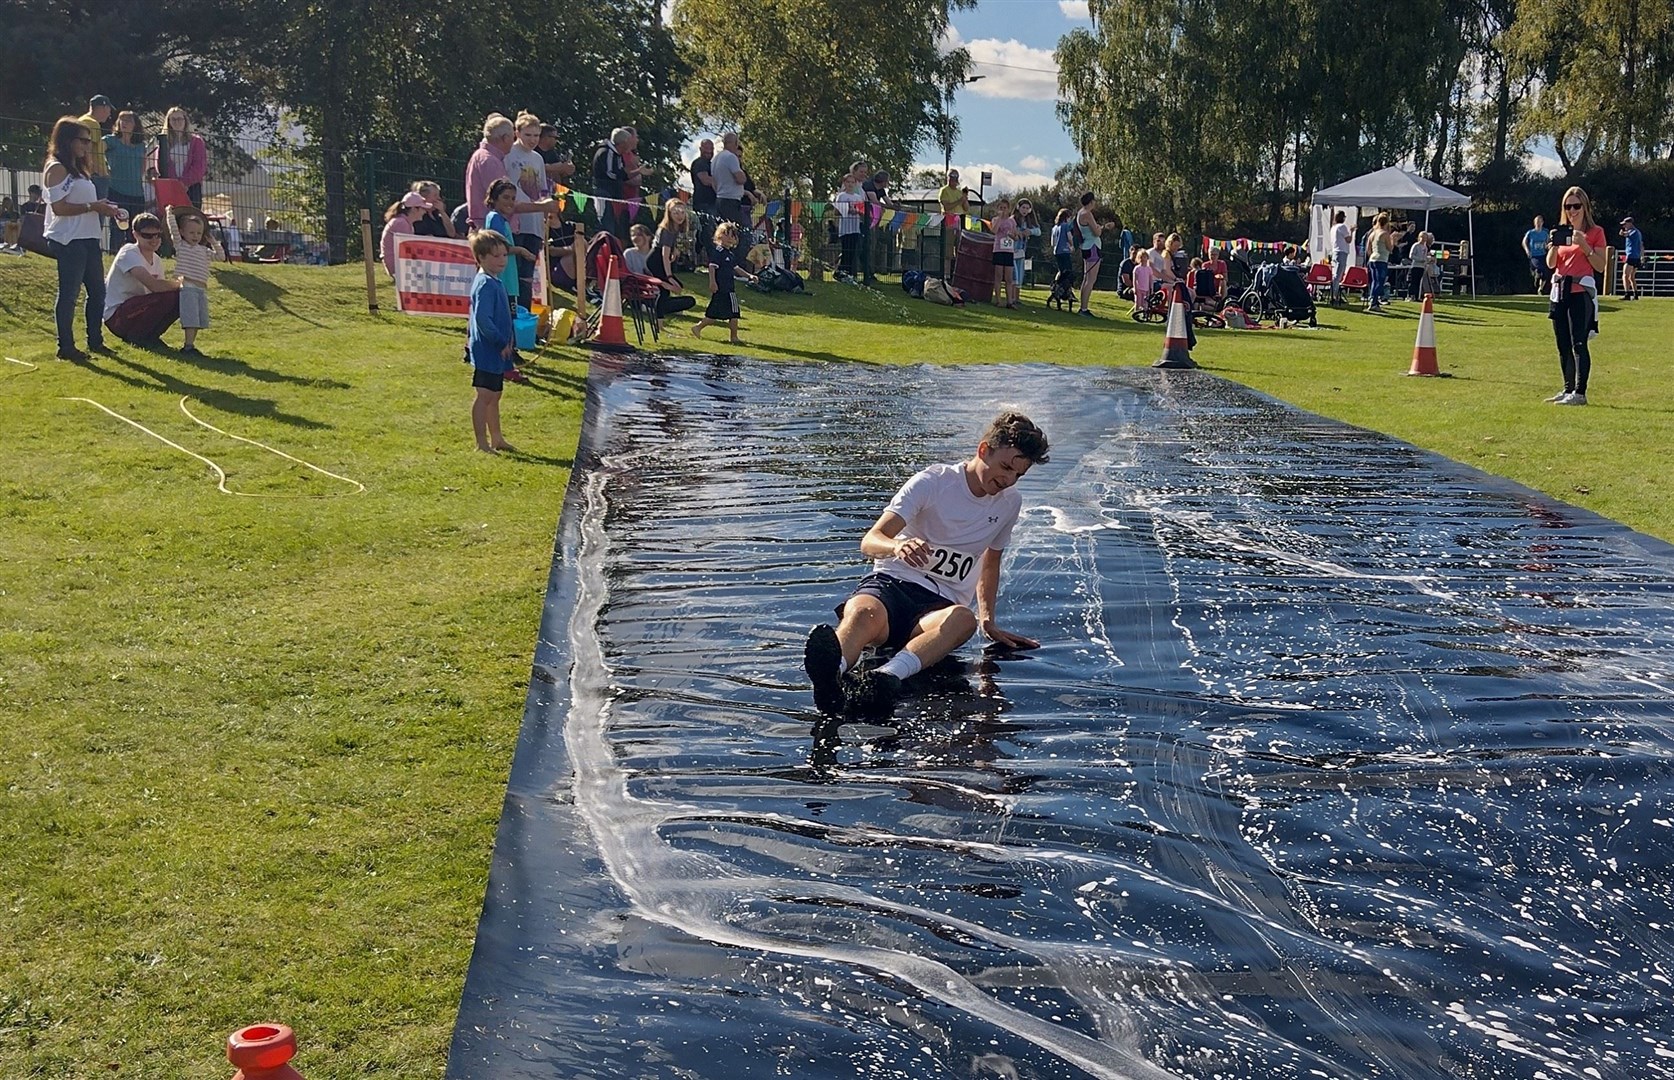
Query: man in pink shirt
point(487, 165)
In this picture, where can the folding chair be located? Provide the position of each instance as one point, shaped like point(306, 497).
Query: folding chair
point(1357, 279)
point(170, 193)
point(1318, 279)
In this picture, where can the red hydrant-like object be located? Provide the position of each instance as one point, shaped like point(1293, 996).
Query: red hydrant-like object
point(261, 1052)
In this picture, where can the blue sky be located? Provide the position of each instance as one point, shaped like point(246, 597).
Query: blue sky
point(1009, 126)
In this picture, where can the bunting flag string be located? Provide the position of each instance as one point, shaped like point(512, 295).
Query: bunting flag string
point(880, 216)
point(1243, 244)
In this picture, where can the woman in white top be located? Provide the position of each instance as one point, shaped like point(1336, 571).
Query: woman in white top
point(73, 230)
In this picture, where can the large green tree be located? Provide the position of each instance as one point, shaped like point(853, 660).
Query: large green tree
point(55, 54)
point(1191, 111)
point(1603, 77)
point(405, 84)
point(812, 84)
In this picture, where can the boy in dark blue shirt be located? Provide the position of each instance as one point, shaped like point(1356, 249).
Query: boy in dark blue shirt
point(491, 339)
point(1633, 253)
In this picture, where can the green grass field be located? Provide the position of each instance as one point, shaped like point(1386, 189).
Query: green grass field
point(253, 749)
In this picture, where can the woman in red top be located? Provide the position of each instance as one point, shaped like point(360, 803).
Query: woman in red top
point(1576, 256)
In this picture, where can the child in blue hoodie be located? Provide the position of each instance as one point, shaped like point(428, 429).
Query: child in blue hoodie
point(491, 339)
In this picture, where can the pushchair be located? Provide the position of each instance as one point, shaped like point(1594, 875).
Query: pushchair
point(1157, 305)
point(1063, 289)
point(1278, 292)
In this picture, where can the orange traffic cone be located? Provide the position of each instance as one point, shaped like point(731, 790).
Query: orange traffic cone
point(261, 1052)
point(1177, 346)
point(1424, 348)
point(610, 337)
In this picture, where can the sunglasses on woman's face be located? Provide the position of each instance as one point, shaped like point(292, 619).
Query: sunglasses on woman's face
point(1573, 206)
point(149, 235)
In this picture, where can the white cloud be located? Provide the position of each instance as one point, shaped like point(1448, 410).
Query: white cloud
point(1543, 166)
point(1008, 69)
point(970, 174)
point(1034, 163)
point(1074, 9)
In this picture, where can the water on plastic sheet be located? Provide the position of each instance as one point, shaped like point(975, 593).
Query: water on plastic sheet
point(1338, 759)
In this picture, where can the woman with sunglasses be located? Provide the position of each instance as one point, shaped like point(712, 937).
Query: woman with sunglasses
point(74, 229)
point(1576, 255)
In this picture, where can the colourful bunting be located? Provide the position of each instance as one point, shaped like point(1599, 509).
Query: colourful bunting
point(581, 201)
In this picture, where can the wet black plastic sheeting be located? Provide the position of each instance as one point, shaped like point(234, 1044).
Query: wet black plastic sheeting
point(1339, 759)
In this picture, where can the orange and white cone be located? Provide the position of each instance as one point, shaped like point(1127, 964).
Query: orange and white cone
point(1424, 348)
point(1177, 346)
point(610, 337)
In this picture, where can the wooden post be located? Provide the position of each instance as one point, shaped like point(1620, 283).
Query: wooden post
point(580, 253)
point(366, 256)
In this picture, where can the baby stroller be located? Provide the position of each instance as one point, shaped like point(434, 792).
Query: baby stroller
point(1279, 292)
point(1154, 309)
point(1063, 289)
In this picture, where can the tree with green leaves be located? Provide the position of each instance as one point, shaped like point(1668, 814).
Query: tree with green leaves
point(1602, 73)
point(1188, 111)
point(811, 85)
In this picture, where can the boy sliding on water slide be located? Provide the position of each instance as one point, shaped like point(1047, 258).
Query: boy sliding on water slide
point(935, 549)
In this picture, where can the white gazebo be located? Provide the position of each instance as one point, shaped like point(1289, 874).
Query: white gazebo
point(1393, 188)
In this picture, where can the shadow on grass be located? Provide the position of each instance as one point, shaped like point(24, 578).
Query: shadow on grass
point(573, 385)
point(538, 459)
point(227, 365)
point(226, 401)
point(259, 292)
point(809, 354)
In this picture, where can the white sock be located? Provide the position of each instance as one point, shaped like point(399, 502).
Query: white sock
point(842, 666)
point(903, 665)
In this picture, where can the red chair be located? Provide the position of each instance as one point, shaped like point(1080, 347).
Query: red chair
point(1357, 279)
point(169, 193)
point(1318, 277)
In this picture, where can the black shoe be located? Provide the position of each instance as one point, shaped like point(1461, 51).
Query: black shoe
point(873, 693)
point(73, 355)
point(822, 657)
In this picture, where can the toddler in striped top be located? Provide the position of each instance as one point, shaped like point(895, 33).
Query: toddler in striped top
point(194, 250)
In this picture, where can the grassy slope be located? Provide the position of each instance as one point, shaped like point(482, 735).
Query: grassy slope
point(253, 750)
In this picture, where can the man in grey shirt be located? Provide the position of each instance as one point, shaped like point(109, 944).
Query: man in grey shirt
point(729, 178)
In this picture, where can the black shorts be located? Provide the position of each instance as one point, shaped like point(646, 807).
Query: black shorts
point(1634, 262)
point(488, 380)
point(905, 602)
point(1002, 258)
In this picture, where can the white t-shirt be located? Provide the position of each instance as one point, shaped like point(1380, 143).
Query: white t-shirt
point(121, 286)
point(71, 226)
point(960, 528)
point(527, 169)
point(1342, 238)
point(848, 220)
point(721, 168)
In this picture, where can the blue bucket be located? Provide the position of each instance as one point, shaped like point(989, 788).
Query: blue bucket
point(523, 329)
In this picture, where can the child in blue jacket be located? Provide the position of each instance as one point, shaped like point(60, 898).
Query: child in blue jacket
point(491, 340)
